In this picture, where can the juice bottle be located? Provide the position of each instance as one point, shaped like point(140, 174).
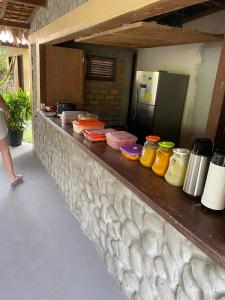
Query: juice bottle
point(162, 159)
point(177, 168)
point(149, 151)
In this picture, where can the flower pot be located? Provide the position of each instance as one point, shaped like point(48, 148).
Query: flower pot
point(15, 137)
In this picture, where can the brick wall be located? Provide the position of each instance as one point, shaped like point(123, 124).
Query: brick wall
point(108, 99)
point(105, 97)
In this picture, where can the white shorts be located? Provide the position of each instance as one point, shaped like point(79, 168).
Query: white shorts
point(3, 127)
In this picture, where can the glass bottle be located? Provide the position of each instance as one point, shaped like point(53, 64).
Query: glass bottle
point(149, 151)
point(177, 167)
point(162, 159)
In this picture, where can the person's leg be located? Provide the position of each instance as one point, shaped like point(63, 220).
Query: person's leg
point(7, 159)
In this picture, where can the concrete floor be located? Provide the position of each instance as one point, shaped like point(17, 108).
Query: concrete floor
point(43, 253)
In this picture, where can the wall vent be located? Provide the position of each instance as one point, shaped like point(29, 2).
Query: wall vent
point(101, 68)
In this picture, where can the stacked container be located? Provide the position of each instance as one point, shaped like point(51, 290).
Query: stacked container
point(79, 126)
point(118, 139)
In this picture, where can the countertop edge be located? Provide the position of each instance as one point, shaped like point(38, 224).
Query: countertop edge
point(197, 241)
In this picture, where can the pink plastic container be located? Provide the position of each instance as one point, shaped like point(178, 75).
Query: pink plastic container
point(117, 139)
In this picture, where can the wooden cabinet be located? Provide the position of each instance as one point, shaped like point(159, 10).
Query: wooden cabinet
point(62, 75)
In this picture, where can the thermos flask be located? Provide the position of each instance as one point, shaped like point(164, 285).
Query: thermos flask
point(214, 192)
point(198, 165)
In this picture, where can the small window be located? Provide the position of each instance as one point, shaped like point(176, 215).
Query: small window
point(101, 68)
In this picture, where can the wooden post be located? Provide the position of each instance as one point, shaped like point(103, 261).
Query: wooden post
point(217, 98)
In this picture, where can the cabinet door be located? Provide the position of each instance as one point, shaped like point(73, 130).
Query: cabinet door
point(64, 75)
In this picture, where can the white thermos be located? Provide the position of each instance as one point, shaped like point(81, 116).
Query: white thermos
point(214, 192)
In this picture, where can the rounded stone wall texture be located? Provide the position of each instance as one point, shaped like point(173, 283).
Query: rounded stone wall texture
point(149, 258)
point(54, 10)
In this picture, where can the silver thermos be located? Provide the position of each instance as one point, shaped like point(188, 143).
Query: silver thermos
point(214, 192)
point(198, 165)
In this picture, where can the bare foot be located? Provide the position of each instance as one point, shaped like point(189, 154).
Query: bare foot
point(16, 179)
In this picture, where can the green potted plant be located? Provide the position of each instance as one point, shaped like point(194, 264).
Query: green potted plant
point(19, 106)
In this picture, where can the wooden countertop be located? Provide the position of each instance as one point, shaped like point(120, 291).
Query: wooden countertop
point(205, 229)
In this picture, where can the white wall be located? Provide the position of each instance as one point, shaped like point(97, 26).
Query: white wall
point(200, 61)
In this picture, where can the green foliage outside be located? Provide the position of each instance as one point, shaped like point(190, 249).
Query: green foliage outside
point(3, 61)
point(19, 106)
point(27, 134)
point(18, 103)
point(5, 68)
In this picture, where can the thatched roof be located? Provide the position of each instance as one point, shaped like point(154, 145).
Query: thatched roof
point(15, 18)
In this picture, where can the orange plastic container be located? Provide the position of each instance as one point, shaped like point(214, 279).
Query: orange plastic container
point(79, 126)
point(96, 135)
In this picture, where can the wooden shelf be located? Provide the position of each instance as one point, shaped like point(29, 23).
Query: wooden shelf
point(148, 35)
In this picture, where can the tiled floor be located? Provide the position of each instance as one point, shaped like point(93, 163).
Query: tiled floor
point(43, 253)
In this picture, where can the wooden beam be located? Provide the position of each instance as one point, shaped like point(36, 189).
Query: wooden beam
point(15, 24)
point(75, 30)
point(32, 2)
point(148, 11)
point(217, 98)
point(4, 6)
point(148, 35)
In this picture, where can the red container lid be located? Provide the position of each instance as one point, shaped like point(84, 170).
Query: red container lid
point(153, 138)
point(88, 123)
point(93, 133)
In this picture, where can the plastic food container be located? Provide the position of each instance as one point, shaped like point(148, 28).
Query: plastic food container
point(118, 139)
point(96, 135)
point(79, 126)
point(177, 168)
point(69, 116)
point(87, 117)
point(162, 160)
point(132, 151)
point(149, 151)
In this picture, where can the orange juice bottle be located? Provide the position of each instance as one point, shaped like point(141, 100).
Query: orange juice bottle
point(162, 159)
point(149, 151)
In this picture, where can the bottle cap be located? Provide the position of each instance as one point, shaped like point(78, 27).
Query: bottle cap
point(167, 145)
point(202, 147)
point(153, 138)
point(181, 152)
point(218, 158)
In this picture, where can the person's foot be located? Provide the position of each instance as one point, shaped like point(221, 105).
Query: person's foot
point(17, 179)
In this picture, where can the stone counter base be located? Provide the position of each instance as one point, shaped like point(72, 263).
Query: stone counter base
point(149, 258)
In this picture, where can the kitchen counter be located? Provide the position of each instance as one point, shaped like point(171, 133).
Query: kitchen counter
point(204, 229)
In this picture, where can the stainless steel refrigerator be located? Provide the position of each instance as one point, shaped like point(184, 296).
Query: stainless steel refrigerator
point(157, 105)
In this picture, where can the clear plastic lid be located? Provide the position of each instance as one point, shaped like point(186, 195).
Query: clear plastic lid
point(87, 116)
point(121, 135)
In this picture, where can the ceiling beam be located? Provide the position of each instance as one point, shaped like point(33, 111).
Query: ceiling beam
point(4, 6)
point(31, 2)
point(15, 24)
